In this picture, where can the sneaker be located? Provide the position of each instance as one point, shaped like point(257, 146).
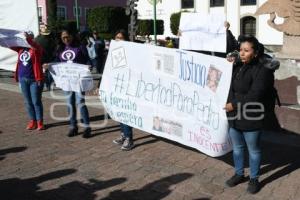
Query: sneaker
point(127, 145)
point(87, 133)
point(40, 125)
point(72, 132)
point(31, 125)
point(235, 180)
point(120, 140)
point(253, 186)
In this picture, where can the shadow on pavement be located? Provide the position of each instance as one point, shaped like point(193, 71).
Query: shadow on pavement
point(99, 117)
point(79, 191)
point(275, 156)
point(152, 191)
point(20, 189)
point(146, 142)
point(104, 130)
point(29, 189)
point(3, 152)
point(63, 123)
point(60, 123)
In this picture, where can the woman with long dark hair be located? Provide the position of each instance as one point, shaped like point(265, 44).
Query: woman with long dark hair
point(70, 50)
point(29, 74)
point(125, 139)
point(245, 109)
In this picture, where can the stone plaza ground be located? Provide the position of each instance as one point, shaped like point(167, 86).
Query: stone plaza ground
point(38, 165)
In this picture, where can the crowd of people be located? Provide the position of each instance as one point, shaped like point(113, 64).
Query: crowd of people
point(250, 86)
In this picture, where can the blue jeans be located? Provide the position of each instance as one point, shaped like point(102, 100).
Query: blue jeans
point(32, 93)
point(48, 79)
point(127, 130)
point(94, 63)
point(241, 140)
point(75, 99)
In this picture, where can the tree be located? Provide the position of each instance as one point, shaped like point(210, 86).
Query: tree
point(175, 20)
point(145, 27)
point(107, 20)
point(52, 15)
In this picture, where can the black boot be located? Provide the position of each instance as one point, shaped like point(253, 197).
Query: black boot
point(73, 132)
point(87, 133)
point(235, 180)
point(253, 186)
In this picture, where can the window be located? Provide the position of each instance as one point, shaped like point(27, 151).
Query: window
point(215, 3)
point(79, 11)
point(248, 2)
point(187, 4)
point(61, 13)
point(248, 26)
point(87, 10)
point(40, 14)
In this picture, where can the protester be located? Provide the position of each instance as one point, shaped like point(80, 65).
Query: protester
point(100, 51)
point(46, 40)
point(70, 50)
point(91, 49)
point(169, 43)
point(29, 74)
point(231, 42)
point(245, 111)
point(126, 139)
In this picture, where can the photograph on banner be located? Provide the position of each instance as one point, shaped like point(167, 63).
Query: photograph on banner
point(10, 20)
point(171, 93)
point(203, 32)
point(71, 76)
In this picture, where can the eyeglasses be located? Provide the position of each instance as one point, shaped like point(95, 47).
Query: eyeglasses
point(65, 37)
point(119, 38)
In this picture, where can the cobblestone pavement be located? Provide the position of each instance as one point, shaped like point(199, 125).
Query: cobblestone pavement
point(49, 165)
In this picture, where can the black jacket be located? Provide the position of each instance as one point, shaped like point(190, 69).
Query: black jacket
point(249, 87)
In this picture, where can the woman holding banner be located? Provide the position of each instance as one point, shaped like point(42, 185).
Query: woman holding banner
point(29, 74)
point(125, 139)
point(246, 111)
point(70, 50)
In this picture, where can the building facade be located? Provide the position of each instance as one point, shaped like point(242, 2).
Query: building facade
point(240, 14)
point(66, 9)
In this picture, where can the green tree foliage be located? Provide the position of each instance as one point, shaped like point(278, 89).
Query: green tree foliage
point(145, 27)
point(52, 15)
point(175, 19)
point(107, 20)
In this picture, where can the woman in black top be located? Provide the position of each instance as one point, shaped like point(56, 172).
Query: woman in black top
point(245, 110)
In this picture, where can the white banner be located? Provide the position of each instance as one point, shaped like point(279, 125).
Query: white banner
point(171, 93)
point(12, 38)
point(201, 31)
point(16, 15)
point(72, 76)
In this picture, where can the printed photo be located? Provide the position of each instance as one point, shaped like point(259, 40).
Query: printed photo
point(156, 124)
point(213, 78)
point(118, 57)
point(167, 126)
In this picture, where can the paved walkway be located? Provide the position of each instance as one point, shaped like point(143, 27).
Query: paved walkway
point(49, 165)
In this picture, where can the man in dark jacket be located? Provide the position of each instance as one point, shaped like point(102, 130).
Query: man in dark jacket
point(46, 40)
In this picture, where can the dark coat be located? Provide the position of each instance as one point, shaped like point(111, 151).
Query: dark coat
point(249, 85)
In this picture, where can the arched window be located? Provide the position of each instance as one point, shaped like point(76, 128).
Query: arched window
point(216, 3)
point(248, 2)
point(248, 26)
point(185, 4)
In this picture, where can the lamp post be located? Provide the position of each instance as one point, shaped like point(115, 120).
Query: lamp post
point(77, 17)
point(154, 21)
